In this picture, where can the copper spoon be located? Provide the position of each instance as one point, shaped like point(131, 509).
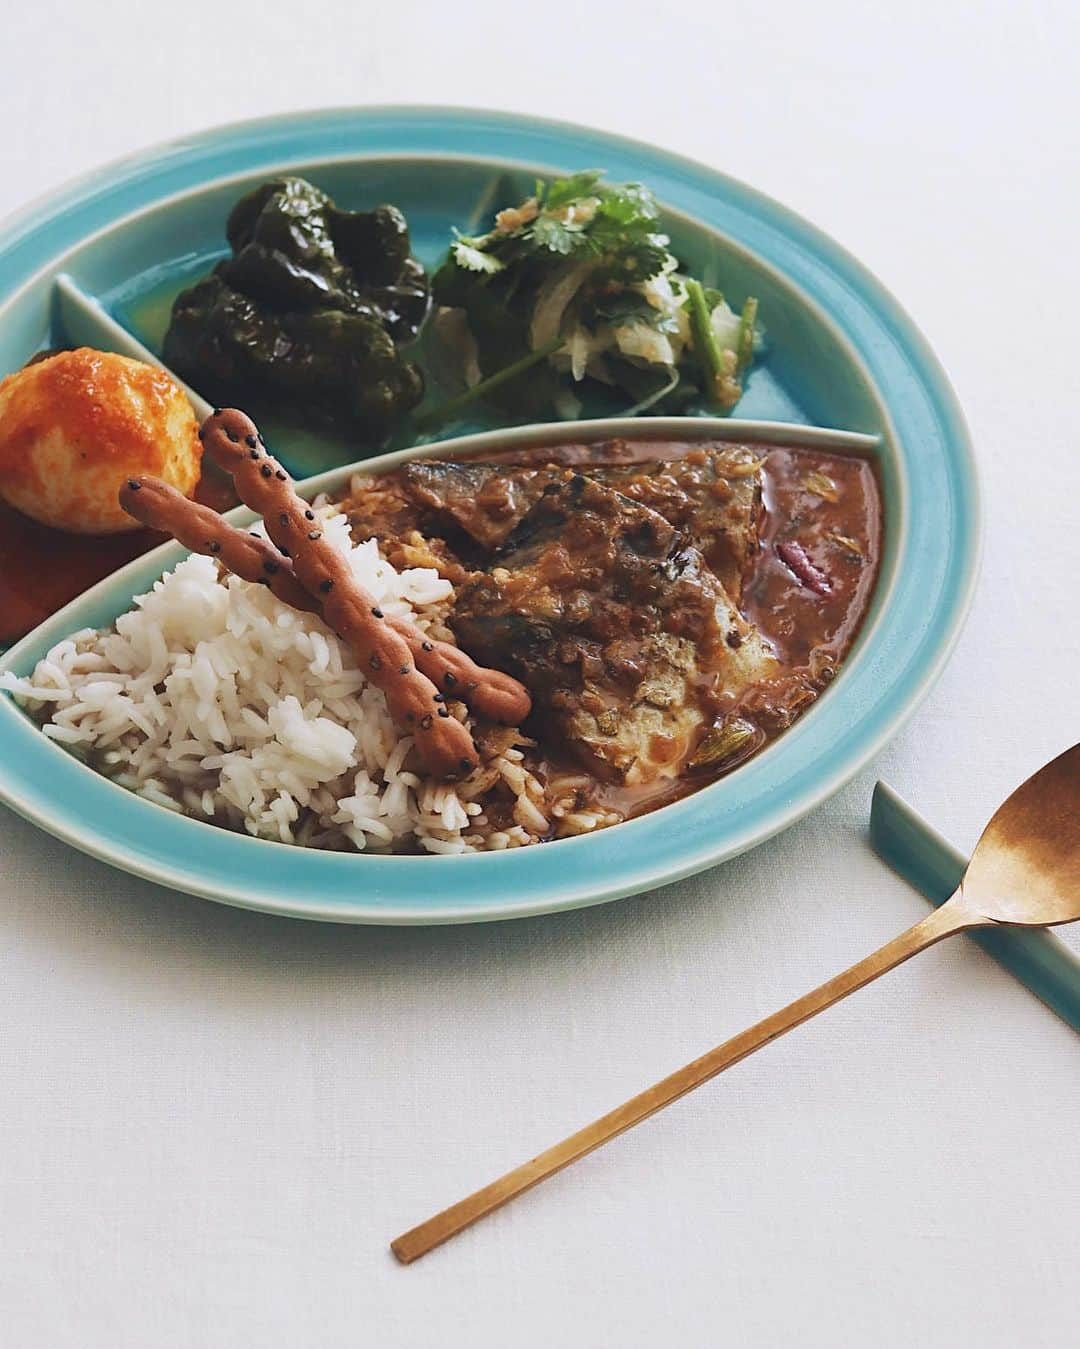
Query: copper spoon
point(1025, 871)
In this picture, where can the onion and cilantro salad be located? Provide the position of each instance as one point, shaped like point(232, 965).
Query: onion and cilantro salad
point(576, 284)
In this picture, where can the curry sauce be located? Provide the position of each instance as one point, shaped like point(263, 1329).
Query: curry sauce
point(672, 607)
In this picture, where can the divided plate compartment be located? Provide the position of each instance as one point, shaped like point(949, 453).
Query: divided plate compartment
point(85, 322)
point(115, 291)
point(59, 791)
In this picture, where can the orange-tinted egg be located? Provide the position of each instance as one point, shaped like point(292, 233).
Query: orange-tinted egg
point(75, 425)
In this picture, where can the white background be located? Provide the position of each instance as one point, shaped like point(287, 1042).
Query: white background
point(211, 1122)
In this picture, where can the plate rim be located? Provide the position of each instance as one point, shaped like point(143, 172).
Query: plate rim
point(947, 413)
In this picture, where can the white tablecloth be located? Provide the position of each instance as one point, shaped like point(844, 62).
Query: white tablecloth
point(212, 1122)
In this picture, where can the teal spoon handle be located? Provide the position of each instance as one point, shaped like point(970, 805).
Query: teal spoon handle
point(930, 863)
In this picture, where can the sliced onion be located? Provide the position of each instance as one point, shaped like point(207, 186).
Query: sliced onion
point(580, 348)
point(553, 298)
point(645, 343)
point(725, 324)
point(566, 404)
point(454, 341)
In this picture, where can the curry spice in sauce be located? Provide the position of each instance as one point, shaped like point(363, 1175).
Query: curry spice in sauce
point(672, 607)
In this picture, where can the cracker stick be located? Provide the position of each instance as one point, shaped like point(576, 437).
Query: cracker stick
point(154, 503)
point(159, 506)
point(444, 745)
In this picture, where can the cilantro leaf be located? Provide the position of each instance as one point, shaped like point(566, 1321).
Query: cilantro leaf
point(556, 236)
point(634, 260)
point(631, 204)
point(467, 254)
point(628, 306)
point(565, 190)
point(620, 306)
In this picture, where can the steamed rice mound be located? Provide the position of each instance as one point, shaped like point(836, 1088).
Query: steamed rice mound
point(213, 698)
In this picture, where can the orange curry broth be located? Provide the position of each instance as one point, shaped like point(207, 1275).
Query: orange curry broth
point(41, 569)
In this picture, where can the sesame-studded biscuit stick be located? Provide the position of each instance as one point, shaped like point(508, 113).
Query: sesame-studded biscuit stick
point(154, 503)
point(443, 744)
point(157, 505)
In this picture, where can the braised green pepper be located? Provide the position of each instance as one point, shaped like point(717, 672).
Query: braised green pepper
point(307, 318)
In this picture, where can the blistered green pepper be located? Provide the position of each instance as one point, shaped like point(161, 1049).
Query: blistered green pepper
point(307, 317)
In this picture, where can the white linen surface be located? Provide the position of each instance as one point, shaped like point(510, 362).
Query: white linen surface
point(212, 1122)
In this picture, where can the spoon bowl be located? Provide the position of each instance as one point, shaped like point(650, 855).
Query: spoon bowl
point(1025, 868)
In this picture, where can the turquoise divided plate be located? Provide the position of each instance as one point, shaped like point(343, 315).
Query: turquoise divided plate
point(841, 354)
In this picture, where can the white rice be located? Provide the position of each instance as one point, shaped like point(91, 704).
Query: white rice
point(213, 698)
